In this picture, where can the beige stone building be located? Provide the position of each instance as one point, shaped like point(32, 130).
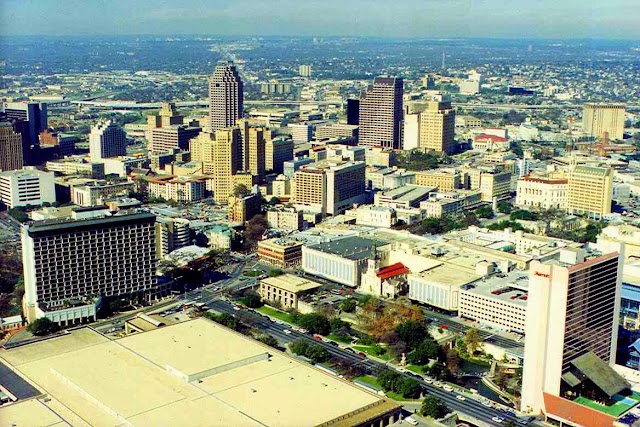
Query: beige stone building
point(603, 120)
point(590, 191)
point(542, 192)
point(437, 127)
point(283, 253)
point(443, 180)
point(286, 290)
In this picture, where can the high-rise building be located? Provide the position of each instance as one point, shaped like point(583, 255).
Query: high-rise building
point(571, 339)
point(221, 161)
point(603, 121)
point(437, 127)
point(590, 191)
point(107, 139)
point(300, 132)
point(380, 116)
point(70, 266)
point(277, 151)
point(252, 149)
point(225, 97)
point(330, 187)
point(11, 156)
point(304, 70)
point(353, 111)
point(171, 234)
point(165, 139)
point(28, 186)
point(35, 116)
point(243, 208)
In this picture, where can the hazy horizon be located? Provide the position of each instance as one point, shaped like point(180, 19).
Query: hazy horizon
point(410, 19)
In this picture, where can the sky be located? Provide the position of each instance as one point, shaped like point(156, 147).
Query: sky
point(602, 19)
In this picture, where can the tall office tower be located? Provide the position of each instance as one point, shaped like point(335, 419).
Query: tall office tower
point(28, 186)
point(304, 70)
point(437, 127)
point(167, 138)
point(33, 113)
point(171, 234)
point(590, 191)
point(277, 151)
point(380, 116)
point(225, 97)
point(70, 265)
point(353, 111)
point(571, 329)
point(252, 150)
point(10, 148)
point(603, 121)
point(107, 139)
point(224, 162)
point(428, 82)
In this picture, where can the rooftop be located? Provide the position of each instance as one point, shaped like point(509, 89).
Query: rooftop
point(512, 288)
point(180, 375)
point(62, 225)
point(352, 247)
point(291, 283)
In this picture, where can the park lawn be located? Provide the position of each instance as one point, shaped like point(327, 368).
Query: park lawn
point(369, 350)
point(415, 368)
point(280, 315)
point(336, 338)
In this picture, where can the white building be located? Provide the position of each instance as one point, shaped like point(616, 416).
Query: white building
point(181, 189)
point(375, 216)
point(285, 219)
point(107, 139)
point(300, 132)
point(411, 132)
point(542, 192)
point(440, 286)
point(27, 186)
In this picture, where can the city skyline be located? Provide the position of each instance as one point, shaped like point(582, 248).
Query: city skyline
point(566, 20)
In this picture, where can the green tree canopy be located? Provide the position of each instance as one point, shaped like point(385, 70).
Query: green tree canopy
point(315, 323)
point(412, 333)
point(43, 326)
point(348, 305)
point(433, 407)
point(426, 350)
point(472, 340)
point(252, 300)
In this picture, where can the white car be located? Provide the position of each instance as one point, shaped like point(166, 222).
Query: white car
point(486, 403)
point(411, 421)
point(497, 419)
point(427, 380)
point(461, 397)
point(286, 331)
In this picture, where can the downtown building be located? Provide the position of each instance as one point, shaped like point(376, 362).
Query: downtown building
point(572, 330)
point(380, 113)
point(11, 154)
point(106, 140)
point(590, 191)
point(603, 121)
point(70, 266)
point(29, 119)
point(225, 97)
point(27, 186)
point(437, 124)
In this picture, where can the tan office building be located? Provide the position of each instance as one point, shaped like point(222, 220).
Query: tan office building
point(590, 191)
point(603, 120)
point(442, 180)
point(437, 127)
point(11, 157)
point(285, 290)
point(252, 149)
point(219, 152)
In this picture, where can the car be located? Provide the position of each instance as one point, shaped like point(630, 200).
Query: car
point(447, 387)
point(486, 403)
point(497, 419)
point(427, 380)
point(304, 331)
point(333, 343)
point(317, 337)
point(462, 398)
point(416, 376)
point(361, 354)
point(437, 384)
point(411, 421)
point(286, 331)
point(350, 350)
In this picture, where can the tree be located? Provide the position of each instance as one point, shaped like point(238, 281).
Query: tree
point(338, 324)
point(317, 353)
point(485, 212)
point(256, 227)
point(348, 305)
point(504, 207)
point(412, 333)
point(299, 347)
point(240, 190)
point(43, 326)
point(275, 272)
point(388, 379)
point(224, 319)
point(472, 340)
point(315, 323)
point(274, 200)
point(453, 361)
point(523, 215)
point(408, 387)
point(425, 351)
point(252, 300)
point(437, 371)
point(433, 407)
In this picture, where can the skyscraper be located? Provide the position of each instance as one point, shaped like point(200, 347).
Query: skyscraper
point(28, 119)
point(380, 116)
point(219, 153)
point(304, 70)
point(437, 127)
point(353, 111)
point(603, 120)
point(10, 148)
point(571, 331)
point(225, 97)
point(107, 139)
point(70, 265)
point(252, 150)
